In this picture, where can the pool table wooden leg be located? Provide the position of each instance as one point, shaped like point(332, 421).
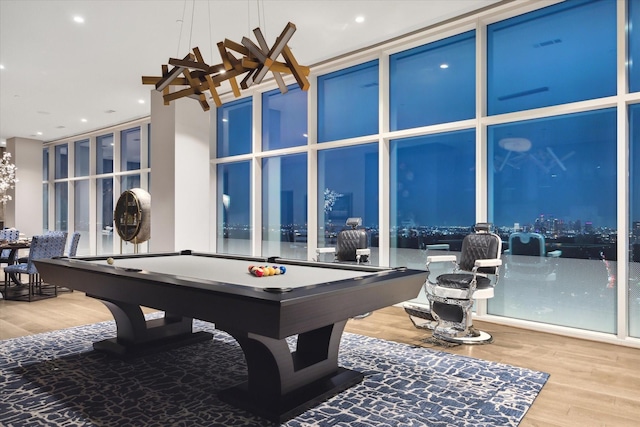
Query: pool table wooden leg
point(137, 336)
point(283, 383)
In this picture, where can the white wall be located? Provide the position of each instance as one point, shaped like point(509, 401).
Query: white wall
point(24, 212)
point(179, 183)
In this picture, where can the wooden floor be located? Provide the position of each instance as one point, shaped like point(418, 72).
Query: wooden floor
point(591, 384)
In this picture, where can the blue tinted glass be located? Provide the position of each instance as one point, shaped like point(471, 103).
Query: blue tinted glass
point(234, 207)
point(45, 164)
point(348, 103)
point(634, 221)
point(234, 128)
point(558, 54)
point(435, 83)
point(347, 187)
point(104, 154)
point(634, 45)
point(432, 184)
point(554, 179)
point(81, 158)
point(62, 161)
point(284, 118)
point(284, 206)
point(130, 149)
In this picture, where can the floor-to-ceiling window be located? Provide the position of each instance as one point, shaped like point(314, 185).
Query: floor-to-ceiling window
point(81, 189)
point(634, 222)
point(432, 201)
point(347, 188)
point(234, 229)
point(284, 177)
point(284, 206)
point(45, 189)
point(554, 179)
point(89, 174)
point(61, 188)
point(510, 117)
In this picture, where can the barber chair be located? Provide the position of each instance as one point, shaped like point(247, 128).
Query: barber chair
point(450, 298)
point(352, 244)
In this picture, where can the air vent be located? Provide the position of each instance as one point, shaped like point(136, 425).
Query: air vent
point(547, 43)
point(110, 111)
point(523, 93)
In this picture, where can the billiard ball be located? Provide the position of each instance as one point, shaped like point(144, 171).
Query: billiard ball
point(110, 261)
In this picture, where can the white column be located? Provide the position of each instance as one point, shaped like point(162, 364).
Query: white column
point(24, 211)
point(179, 181)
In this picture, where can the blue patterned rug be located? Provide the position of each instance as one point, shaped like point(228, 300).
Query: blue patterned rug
point(55, 379)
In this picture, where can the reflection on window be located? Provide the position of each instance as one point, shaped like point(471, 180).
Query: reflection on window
point(432, 182)
point(558, 54)
point(104, 154)
point(348, 103)
point(233, 208)
point(284, 206)
point(435, 83)
point(130, 149)
point(284, 118)
point(347, 187)
point(634, 222)
point(634, 45)
point(234, 125)
point(61, 161)
point(553, 180)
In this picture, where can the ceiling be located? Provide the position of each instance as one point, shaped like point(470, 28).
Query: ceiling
point(60, 78)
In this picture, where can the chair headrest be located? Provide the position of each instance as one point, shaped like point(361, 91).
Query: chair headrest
point(354, 222)
point(482, 227)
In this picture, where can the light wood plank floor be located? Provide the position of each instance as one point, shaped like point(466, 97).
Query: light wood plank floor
point(591, 384)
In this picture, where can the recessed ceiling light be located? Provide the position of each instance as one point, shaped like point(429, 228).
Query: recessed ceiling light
point(140, 101)
point(1, 67)
point(38, 133)
point(360, 19)
point(83, 120)
point(78, 19)
point(444, 66)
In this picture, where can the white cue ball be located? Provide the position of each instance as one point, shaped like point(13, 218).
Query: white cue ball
point(110, 261)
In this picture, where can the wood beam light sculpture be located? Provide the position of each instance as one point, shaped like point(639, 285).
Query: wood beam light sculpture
point(256, 61)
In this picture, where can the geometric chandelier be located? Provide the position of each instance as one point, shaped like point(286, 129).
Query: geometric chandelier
point(254, 63)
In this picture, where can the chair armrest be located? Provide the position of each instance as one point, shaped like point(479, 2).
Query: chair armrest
point(325, 251)
point(488, 262)
point(554, 254)
point(441, 258)
point(438, 247)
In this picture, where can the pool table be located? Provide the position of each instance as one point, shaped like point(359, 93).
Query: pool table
point(312, 301)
